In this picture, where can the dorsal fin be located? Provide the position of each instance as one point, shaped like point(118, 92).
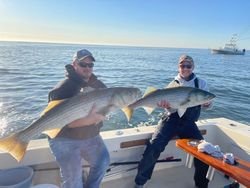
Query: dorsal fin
point(51, 105)
point(149, 90)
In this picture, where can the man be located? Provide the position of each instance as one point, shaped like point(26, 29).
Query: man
point(80, 139)
point(172, 125)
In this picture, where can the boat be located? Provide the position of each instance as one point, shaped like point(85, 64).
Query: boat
point(126, 147)
point(230, 48)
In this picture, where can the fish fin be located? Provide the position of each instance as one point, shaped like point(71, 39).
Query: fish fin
point(51, 105)
point(181, 111)
point(52, 133)
point(14, 146)
point(128, 112)
point(149, 90)
point(148, 110)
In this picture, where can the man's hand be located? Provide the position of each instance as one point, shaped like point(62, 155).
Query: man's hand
point(94, 117)
point(206, 105)
point(163, 104)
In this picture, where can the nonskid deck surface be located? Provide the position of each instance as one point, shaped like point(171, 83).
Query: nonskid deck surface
point(175, 177)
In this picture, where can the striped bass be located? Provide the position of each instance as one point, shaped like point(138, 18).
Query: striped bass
point(179, 98)
point(61, 113)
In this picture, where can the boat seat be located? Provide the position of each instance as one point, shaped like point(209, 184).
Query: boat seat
point(140, 142)
point(240, 171)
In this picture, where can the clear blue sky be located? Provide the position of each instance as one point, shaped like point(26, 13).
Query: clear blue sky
point(163, 23)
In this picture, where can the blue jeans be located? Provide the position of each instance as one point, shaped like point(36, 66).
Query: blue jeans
point(164, 133)
point(69, 154)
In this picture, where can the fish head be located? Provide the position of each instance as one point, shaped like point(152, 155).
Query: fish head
point(199, 96)
point(124, 96)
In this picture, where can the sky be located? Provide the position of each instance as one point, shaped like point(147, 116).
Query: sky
point(153, 23)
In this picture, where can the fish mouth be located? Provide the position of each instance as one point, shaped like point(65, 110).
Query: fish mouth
point(139, 94)
point(212, 96)
point(127, 96)
point(135, 98)
point(208, 96)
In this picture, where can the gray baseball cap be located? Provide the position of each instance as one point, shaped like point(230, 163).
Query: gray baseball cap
point(185, 58)
point(81, 54)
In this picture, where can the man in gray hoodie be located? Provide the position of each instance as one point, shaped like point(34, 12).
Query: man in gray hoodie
point(172, 125)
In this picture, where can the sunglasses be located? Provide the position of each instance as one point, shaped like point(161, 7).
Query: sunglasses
point(185, 66)
point(85, 65)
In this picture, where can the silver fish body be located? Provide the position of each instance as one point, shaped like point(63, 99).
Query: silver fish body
point(179, 98)
point(105, 100)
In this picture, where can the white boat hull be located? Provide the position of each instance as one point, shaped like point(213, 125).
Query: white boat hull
point(228, 52)
point(231, 136)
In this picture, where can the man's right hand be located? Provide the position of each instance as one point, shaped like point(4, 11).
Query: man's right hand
point(163, 104)
point(91, 119)
point(94, 116)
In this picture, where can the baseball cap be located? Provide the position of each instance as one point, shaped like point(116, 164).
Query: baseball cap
point(186, 58)
point(81, 54)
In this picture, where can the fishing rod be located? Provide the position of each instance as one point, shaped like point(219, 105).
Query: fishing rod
point(137, 162)
point(168, 159)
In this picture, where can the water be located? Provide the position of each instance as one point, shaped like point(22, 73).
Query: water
point(30, 70)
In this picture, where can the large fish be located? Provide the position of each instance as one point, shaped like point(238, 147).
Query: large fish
point(64, 112)
point(179, 98)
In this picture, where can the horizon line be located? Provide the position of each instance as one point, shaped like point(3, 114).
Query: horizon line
point(95, 44)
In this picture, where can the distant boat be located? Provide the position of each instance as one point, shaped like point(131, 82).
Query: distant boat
point(230, 48)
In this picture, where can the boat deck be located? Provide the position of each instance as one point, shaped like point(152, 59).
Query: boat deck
point(175, 177)
point(231, 136)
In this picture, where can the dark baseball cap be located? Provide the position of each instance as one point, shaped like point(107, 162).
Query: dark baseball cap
point(81, 54)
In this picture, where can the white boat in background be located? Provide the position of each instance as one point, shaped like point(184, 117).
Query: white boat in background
point(126, 147)
point(230, 48)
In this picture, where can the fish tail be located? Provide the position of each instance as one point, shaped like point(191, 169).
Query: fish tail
point(128, 112)
point(14, 146)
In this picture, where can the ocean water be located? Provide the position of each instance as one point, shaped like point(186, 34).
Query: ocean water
point(28, 71)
